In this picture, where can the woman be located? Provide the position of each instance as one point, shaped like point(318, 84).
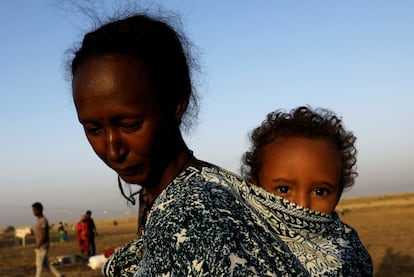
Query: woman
point(133, 90)
point(82, 234)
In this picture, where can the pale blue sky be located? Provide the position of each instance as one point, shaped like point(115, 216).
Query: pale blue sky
point(354, 57)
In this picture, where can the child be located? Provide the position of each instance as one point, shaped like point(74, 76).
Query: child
point(307, 158)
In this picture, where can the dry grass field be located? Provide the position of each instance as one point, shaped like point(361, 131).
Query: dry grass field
point(18, 261)
point(385, 225)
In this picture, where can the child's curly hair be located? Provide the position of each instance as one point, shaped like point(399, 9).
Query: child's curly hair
point(302, 122)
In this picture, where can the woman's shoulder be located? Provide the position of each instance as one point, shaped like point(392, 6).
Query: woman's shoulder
point(201, 190)
point(207, 173)
point(202, 180)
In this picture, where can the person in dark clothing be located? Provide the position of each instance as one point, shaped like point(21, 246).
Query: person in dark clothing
point(92, 233)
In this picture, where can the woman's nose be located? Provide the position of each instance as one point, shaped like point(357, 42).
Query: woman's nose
point(115, 148)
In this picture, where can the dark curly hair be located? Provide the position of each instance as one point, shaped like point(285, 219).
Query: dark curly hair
point(167, 55)
point(302, 122)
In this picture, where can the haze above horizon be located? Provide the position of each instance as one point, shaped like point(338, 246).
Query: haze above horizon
point(355, 58)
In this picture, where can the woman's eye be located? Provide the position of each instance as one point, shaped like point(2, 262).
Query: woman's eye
point(282, 189)
point(92, 130)
point(321, 192)
point(132, 127)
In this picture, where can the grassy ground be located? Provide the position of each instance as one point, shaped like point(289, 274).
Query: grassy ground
point(384, 224)
point(18, 261)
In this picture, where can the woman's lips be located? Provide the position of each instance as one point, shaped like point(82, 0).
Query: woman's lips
point(129, 170)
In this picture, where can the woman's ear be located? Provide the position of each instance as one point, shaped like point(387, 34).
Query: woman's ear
point(180, 109)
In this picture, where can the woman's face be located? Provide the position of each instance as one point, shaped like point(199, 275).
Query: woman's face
point(121, 117)
point(304, 171)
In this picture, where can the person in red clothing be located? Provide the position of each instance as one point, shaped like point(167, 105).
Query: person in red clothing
point(83, 235)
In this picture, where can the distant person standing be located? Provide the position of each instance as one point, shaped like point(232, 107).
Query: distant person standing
point(92, 233)
point(41, 232)
point(61, 232)
point(82, 234)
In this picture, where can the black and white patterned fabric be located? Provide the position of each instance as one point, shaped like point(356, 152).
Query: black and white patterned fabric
point(323, 244)
point(210, 222)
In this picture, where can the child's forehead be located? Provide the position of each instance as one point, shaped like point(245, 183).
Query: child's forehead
point(295, 145)
point(300, 137)
point(284, 138)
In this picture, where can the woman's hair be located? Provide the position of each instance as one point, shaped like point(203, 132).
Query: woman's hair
point(163, 51)
point(302, 122)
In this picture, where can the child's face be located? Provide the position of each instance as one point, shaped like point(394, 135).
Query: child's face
point(304, 171)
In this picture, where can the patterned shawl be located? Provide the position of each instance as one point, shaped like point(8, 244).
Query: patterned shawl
point(203, 224)
point(323, 244)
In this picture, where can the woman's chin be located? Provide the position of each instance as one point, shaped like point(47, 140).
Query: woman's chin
point(132, 179)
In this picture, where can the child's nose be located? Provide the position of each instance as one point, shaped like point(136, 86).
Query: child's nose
point(302, 200)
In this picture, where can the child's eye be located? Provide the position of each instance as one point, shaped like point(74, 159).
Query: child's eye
point(321, 192)
point(282, 189)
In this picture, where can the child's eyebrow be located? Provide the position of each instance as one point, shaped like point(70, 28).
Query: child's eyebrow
point(282, 180)
point(334, 186)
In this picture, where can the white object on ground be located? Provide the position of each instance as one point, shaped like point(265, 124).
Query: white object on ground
point(97, 261)
point(21, 233)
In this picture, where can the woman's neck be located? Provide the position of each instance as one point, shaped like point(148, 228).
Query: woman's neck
point(184, 159)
